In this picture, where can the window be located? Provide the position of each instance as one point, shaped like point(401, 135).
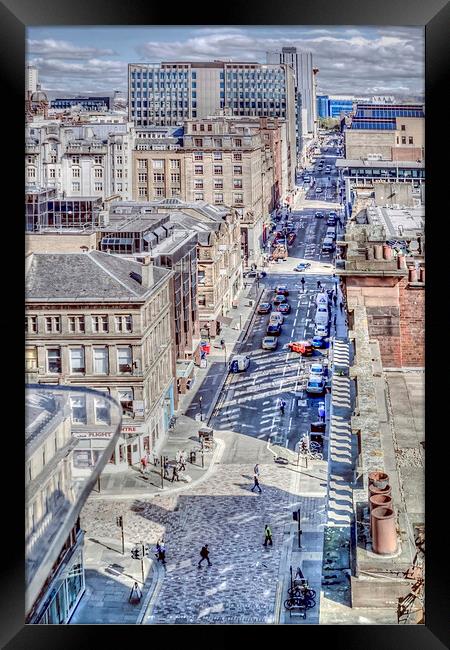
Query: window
point(76, 160)
point(51, 172)
point(53, 324)
point(217, 155)
point(239, 199)
point(98, 172)
point(99, 323)
point(201, 300)
point(218, 183)
point(218, 143)
point(125, 397)
point(411, 140)
point(198, 142)
point(98, 187)
point(124, 323)
point(78, 408)
point(76, 172)
point(238, 142)
point(142, 164)
point(53, 158)
point(158, 177)
point(124, 359)
point(202, 127)
point(218, 198)
point(237, 156)
point(175, 178)
point(119, 174)
point(403, 127)
point(75, 187)
point(119, 160)
point(102, 409)
point(194, 127)
point(142, 191)
point(77, 363)
point(201, 277)
point(198, 183)
point(174, 164)
point(198, 155)
point(98, 160)
point(198, 169)
point(237, 183)
point(237, 169)
point(209, 127)
point(101, 365)
point(159, 191)
point(158, 164)
point(76, 324)
point(198, 196)
point(31, 172)
point(31, 324)
point(403, 139)
point(218, 169)
point(54, 360)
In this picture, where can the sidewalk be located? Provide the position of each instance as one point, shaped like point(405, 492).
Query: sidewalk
point(208, 384)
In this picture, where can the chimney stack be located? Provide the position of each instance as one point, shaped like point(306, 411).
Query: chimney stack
point(147, 272)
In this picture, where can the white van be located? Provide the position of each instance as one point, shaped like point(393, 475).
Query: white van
point(327, 245)
point(321, 317)
point(276, 318)
point(331, 232)
point(322, 298)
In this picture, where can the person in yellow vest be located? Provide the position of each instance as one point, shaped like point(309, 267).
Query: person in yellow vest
point(267, 536)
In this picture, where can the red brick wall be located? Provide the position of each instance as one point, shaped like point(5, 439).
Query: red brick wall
point(412, 324)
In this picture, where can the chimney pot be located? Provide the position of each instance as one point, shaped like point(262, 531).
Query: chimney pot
point(422, 274)
point(412, 275)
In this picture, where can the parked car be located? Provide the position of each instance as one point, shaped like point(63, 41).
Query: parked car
point(264, 308)
point(319, 215)
point(327, 245)
point(318, 341)
point(279, 298)
point(320, 329)
point(302, 347)
point(319, 190)
point(332, 213)
point(276, 317)
point(273, 329)
point(284, 308)
point(303, 266)
point(315, 386)
point(331, 221)
point(316, 369)
point(254, 274)
point(322, 298)
point(269, 343)
point(282, 289)
point(239, 363)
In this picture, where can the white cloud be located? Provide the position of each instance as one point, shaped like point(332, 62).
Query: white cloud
point(64, 49)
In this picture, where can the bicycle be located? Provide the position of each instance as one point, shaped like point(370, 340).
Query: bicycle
point(299, 601)
point(315, 446)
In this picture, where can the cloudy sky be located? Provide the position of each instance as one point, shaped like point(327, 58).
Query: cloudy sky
point(352, 60)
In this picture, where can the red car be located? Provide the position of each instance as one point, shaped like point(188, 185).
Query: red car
point(302, 347)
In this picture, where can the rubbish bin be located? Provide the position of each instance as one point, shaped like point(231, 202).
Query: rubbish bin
point(192, 457)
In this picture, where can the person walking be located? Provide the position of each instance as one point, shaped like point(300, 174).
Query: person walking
point(335, 299)
point(182, 462)
point(256, 483)
point(334, 320)
point(161, 551)
point(175, 474)
point(282, 405)
point(321, 410)
point(303, 284)
point(143, 464)
point(256, 470)
point(319, 284)
point(267, 536)
point(341, 306)
point(166, 467)
point(205, 555)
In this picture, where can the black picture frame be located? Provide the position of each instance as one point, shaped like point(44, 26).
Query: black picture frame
point(434, 16)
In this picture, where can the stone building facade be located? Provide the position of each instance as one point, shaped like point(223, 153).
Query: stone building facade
point(97, 320)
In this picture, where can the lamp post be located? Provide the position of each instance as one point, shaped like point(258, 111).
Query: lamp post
point(200, 400)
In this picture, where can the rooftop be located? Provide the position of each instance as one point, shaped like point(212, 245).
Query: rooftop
point(401, 222)
point(408, 164)
point(86, 277)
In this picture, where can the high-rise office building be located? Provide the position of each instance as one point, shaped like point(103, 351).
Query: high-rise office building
point(31, 79)
point(168, 93)
point(302, 64)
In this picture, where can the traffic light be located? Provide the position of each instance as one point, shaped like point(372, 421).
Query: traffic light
point(147, 550)
point(295, 515)
point(119, 521)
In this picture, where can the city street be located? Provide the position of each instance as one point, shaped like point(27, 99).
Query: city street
point(247, 583)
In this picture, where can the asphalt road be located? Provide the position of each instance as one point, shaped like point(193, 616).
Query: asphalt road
point(248, 403)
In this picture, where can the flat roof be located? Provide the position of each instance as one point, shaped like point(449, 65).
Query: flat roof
point(347, 162)
point(398, 222)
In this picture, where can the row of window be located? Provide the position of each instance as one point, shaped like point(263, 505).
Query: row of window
point(218, 184)
point(217, 155)
point(99, 323)
point(410, 139)
point(100, 360)
point(218, 170)
point(157, 163)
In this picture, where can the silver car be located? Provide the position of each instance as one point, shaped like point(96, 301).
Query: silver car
point(269, 343)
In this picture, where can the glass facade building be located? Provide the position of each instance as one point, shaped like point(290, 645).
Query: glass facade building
point(88, 103)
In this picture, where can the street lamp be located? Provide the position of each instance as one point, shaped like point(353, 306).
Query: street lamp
point(200, 399)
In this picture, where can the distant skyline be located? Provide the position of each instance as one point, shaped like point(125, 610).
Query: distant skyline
point(358, 61)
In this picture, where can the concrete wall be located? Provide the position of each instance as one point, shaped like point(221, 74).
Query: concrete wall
point(378, 593)
point(412, 324)
point(64, 243)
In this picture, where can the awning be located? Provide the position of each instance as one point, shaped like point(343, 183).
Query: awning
point(224, 319)
point(184, 368)
point(151, 238)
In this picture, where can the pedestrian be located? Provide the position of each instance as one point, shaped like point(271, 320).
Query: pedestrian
point(161, 551)
point(155, 460)
point(205, 555)
point(182, 461)
point(256, 470)
point(282, 404)
point(143, 464)
point(319, 284)
point(321, 410)
point(256, 483)
point(303, 284)
point(334, 320)
point(267, 536)
point(334, 299)
point(341, 306)
point(175, 474)
point(166, 468)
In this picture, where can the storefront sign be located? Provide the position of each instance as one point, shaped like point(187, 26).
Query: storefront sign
point(93, 434)
point(130, 430)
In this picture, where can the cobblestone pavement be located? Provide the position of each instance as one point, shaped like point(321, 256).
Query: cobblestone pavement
point(241, 584)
